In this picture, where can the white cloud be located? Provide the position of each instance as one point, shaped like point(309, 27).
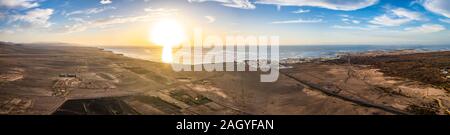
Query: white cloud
point(160, 9)
point(6, 31)
point(19, 3)
point(83, 25)
point(396, 17)
point(210, 19)
point(426, 28)
point(356, 21)
point(2, 15)
point(76, 19)
point(388, 21)
point(105, 2)
point(348, 21)
point(414, 2)
point(103, 23)
point(346, 5)
point(369, 27)
point(90, 11)
point(299, 11)
point(401, 12)
point(36, 17)
point(346, 16)
point(445, 20)
point(441, 7)
point(298, 21)
point(242, 4)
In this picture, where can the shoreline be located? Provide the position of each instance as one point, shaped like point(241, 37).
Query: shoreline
point(372, 54)
point(47, 79)
point(295, 59)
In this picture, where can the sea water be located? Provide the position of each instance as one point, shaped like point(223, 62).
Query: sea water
point(285, 52)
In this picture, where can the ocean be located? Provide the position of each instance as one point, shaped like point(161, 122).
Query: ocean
point(285, 52)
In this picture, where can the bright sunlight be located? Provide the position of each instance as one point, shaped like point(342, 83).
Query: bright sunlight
point(167, 33)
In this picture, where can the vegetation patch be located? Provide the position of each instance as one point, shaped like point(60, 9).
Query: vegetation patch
point(188, 99)
point(422, 67)
point(424, 109)
point(160, 104)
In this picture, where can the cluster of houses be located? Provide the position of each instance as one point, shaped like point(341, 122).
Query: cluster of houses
point(445, 72)
point(306, 60)
point(69, 75)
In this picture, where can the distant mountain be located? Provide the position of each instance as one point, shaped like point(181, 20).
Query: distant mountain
point(54, 44)
point(6, 43)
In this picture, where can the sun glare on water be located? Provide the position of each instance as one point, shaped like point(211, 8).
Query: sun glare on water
point(167, 55)
point(167, 33)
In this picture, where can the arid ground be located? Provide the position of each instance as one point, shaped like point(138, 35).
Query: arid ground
point(44, 79)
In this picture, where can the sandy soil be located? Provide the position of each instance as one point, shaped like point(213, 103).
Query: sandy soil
point(31, 83)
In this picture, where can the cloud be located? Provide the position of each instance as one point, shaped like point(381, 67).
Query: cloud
point(297, 21)
point(441, 7)
point(242, 4)
point(160, 10)
point(102, 23)
point(445, 20)
point(6, 31)
point(210, 19)
point(90, 11)
point(19, 3)
point(346, 16)
point(76, 19)
point(348, 21)
point(426, 28)
point(369, 27)
point(346, 5)
point(356, 21)
point(83, 25)
point(396, 17)
point(401, 12)
point(2, 15)
point(299, 11)
point(388, 21)
point(36, 17)
point(103, 2)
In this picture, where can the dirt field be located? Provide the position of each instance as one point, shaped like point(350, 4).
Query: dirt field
point(42, 79)
point(422, 67)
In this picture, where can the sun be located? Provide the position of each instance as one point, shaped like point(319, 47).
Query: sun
point(167, 33)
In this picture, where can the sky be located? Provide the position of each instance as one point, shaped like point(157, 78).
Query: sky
point(296, 22)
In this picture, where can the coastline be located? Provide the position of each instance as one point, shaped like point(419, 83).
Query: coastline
point(378, 53)
point(147, 87)
point(335, 52)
